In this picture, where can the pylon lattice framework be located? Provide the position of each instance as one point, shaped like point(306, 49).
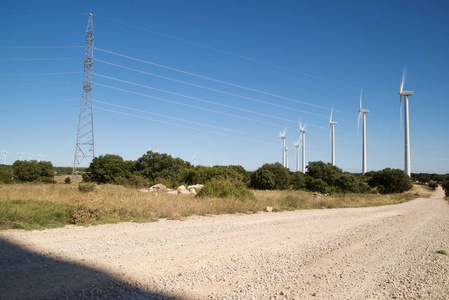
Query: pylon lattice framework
point(85, 147)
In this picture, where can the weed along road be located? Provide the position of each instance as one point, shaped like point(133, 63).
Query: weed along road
point(377, 253)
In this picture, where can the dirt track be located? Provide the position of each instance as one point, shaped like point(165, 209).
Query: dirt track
point(378, 253)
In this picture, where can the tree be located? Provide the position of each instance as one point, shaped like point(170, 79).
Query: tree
point(327, 172)
point(390, 181)
point(445, 186)
point(107, 168)
point(262, 177)
point(317, 185)
point(33, 170)
point(201, 174)
point(298, 180)
point(433, 184)
point(154, 165)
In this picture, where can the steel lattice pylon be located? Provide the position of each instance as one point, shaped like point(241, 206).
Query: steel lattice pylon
point(85, 147)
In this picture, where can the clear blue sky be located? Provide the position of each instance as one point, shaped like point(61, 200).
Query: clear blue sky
point(318, 52)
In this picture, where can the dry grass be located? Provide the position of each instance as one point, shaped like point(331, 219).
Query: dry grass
point(110, 203)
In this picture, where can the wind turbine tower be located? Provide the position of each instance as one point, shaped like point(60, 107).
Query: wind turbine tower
point(286, 157)
point(20, 155)
point(405, 94)
point(85, 147)
point(297, 156)
point(303, 131)
point(282, 135)
point(4, 156)
point(193, 159)
point(332, 129)
point(362, 113)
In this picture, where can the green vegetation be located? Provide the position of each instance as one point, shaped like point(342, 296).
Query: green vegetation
point(33, 214)
point(271, 177)
point(86, 187)
point(390, 181)
point(33, 171)
point(433, 184)
point(226, 188)
point(445, 186)
point(443, 252)
point(67, 180)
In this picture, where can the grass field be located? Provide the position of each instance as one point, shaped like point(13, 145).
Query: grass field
point(39, 206)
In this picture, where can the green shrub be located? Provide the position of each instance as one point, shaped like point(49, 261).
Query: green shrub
point(32, 170)
point(225, 188)
point(6, 176)
point(390, 181)
point(445, 186)
point(317, 185)
point(67, 180)
point(262, 178)
point(86, 187)
point(324, 171)
point(433, 184)
point(106, 168)
point(298, 180)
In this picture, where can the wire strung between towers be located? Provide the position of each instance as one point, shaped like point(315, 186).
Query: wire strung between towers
point(210, 89)
point(219, 81)
point(202, 100)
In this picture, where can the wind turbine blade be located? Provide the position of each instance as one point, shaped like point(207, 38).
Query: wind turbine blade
point(332, 112)
point(358, 122)
point(361, 91)
point(403, 81)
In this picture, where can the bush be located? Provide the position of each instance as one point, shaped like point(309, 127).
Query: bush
point(327, 172)
point(445, 186)
point(45, 179)
point(317, 185)
point(201, 174)
point(433, 184)
point(390, 181)
point(6, 177)
point(226, 188)
point(86, 187)
point(262, 178)
point(32, 170)
point(298, 180)
point(67, 180)
point(106, 168)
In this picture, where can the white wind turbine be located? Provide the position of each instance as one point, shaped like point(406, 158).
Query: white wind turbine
point(362, 113)
point(407, 168)
point(210, 160)
point(303, 131)
point(332, 129)
point(297, 156)
point(282, 135)
point(43, 156)
point(4, 156)
point(20, 155)
point(30, 156)
point(39, 157)
point(286, 157)
point(193, 159)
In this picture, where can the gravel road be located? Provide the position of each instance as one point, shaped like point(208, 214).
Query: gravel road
point(364, 253)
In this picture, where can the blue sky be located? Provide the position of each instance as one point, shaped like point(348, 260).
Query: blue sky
point(282, 61)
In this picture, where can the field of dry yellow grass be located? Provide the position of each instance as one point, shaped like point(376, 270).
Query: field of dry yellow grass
point(27, 205)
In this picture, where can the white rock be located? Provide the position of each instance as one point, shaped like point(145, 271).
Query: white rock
point(143, 190)
point(269, 209)
point(181, 188)
point(192, 190)
point(172, 192)
point(184, 191)
point(158, 187)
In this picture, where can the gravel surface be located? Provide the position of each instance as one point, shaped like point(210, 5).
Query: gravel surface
point(383, 252)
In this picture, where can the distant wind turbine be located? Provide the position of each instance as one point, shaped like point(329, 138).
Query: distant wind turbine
point(39, 157)
point(193, 159)
point(303, 131)
point(332, 129)
point(297, 156)
point(286, 157)
point(282, 135)
point(4, 156)
point(362, 113)
point(210, 160)
point(20, 155)
point(30, 156)
point(407, 168)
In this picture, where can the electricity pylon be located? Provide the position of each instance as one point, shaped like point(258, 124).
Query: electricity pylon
point(85, 147)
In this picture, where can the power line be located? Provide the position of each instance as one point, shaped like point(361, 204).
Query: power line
point(180, 119)
point(38, 83)
point(217, 80)
point(210, 89)
point(197, 107)
point(201, 100)
point(184, 126)
point(225, 52)
point(39, 74)
point(38, 47)
point(38, 58)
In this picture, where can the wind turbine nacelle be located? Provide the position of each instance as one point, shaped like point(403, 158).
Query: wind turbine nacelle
point(406, 93)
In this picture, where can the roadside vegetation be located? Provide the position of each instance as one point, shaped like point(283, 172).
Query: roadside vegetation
point(111, 190)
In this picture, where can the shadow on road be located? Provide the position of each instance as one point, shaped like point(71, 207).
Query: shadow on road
point(28, 275)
